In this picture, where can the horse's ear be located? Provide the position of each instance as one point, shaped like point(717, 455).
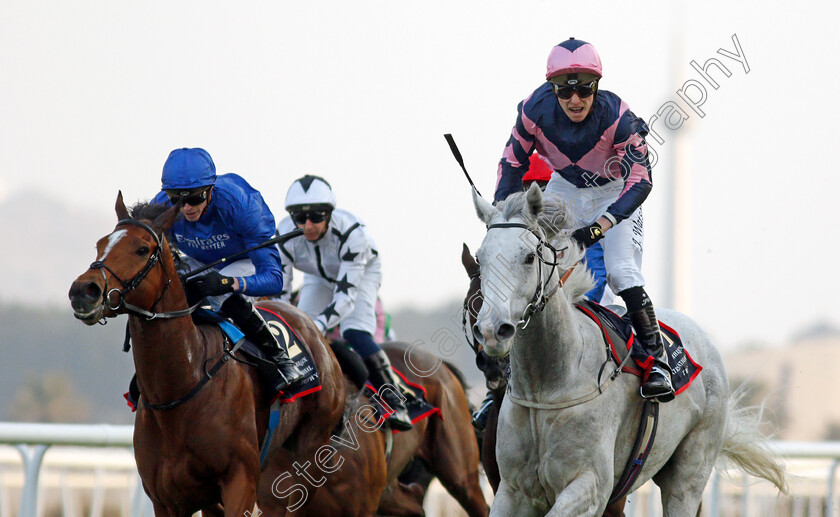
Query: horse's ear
point(534, 203)
point(470, 264)
point(164, 221)
point(122, 211)
point(483, 208)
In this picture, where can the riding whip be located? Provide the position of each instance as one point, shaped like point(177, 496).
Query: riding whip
point(457, 154)
point(278, 239)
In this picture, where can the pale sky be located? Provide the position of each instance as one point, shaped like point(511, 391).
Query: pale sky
point(96, 94)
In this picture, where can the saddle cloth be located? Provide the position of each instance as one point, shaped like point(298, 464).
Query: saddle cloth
point(416, 404)
point(288, 339)
point(618, 332)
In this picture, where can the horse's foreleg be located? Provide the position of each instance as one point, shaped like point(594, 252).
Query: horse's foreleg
point(488, 449)
point(511, 502)
point(213, 511)
point(401, 500)
point(239, 493)
point(452, 455)
point(161, 510)
point(579, 498)
point(617, 508)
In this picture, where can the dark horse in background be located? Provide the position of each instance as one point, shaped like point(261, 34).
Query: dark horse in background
point(201, 417)
point(495, 376)
point(444, 444)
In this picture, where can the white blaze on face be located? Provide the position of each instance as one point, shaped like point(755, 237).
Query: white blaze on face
point(113, 239)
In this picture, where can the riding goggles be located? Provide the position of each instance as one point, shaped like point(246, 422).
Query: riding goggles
point(314, 216)
point(194, 199)
point(565, 91)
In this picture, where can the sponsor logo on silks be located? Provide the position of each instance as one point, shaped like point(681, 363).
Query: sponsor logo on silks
point(213, 242)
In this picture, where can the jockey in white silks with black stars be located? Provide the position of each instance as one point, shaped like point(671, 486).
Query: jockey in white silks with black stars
point(343, 273)
point(596, 147)
point(220, 216)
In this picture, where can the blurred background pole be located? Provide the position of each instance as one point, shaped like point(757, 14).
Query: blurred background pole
point(678, 201)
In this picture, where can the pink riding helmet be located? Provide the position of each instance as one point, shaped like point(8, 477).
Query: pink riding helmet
point(573, 57)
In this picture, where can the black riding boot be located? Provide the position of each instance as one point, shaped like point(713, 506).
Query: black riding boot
point(643, 317)
point(480, 415)
point(658, 384)
point(380, 374)
point(252, 324)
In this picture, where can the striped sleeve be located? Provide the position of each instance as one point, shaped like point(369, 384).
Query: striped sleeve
point(516, 156)
point(631, 149)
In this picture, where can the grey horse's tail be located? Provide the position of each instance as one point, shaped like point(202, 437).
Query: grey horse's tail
point(746, 446)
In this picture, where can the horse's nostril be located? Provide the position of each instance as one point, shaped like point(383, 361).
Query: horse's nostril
point(86, 292)
point(477, 335)
point(505, 331)
point(93, 291)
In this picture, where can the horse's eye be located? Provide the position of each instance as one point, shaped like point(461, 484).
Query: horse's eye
point(529, 259)
point(143, 251)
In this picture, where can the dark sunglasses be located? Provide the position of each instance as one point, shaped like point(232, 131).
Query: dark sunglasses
point(191, 199)
point(566, 91)
point(315, 217)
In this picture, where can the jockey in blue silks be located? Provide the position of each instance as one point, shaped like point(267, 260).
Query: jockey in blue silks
point(596, 147)
point(223, 215)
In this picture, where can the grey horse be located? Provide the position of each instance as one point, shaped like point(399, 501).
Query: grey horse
point(563, 429)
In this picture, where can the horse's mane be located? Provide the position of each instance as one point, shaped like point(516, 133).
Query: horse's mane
point(146, 211)
point(551, 222)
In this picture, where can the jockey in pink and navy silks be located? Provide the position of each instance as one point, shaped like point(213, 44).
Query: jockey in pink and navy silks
point(343, 272)
point(596, 148)
point(223, 215)
point(540, 172)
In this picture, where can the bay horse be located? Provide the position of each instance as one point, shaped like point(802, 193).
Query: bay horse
point(562, 450)
point(201, 417)
point(365, 482)
point(496, 381)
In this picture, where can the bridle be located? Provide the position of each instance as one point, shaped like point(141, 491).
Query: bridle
point(468, 311)
point(543, 293)
point(130, 285)
point(537, 304)
point(133, 282)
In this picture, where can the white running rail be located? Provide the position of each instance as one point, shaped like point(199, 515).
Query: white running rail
point(811, 466)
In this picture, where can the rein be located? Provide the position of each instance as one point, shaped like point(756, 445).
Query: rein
point(131, 284)
point(227, 353)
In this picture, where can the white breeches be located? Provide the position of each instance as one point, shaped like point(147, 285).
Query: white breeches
point(623, 243)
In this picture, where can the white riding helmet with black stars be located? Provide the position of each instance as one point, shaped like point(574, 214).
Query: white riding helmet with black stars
point(310, 193)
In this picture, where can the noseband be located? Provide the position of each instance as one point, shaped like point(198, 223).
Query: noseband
point(131, 284)
point(541, 295)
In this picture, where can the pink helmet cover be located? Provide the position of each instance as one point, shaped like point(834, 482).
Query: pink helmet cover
point(573, 57)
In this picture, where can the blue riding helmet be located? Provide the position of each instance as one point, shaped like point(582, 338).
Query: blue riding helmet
point(187, 169)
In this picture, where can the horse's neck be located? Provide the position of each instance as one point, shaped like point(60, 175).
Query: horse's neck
point(548, 353)
point(169, 354)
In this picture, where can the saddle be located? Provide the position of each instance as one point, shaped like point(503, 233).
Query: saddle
point(618, 334)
